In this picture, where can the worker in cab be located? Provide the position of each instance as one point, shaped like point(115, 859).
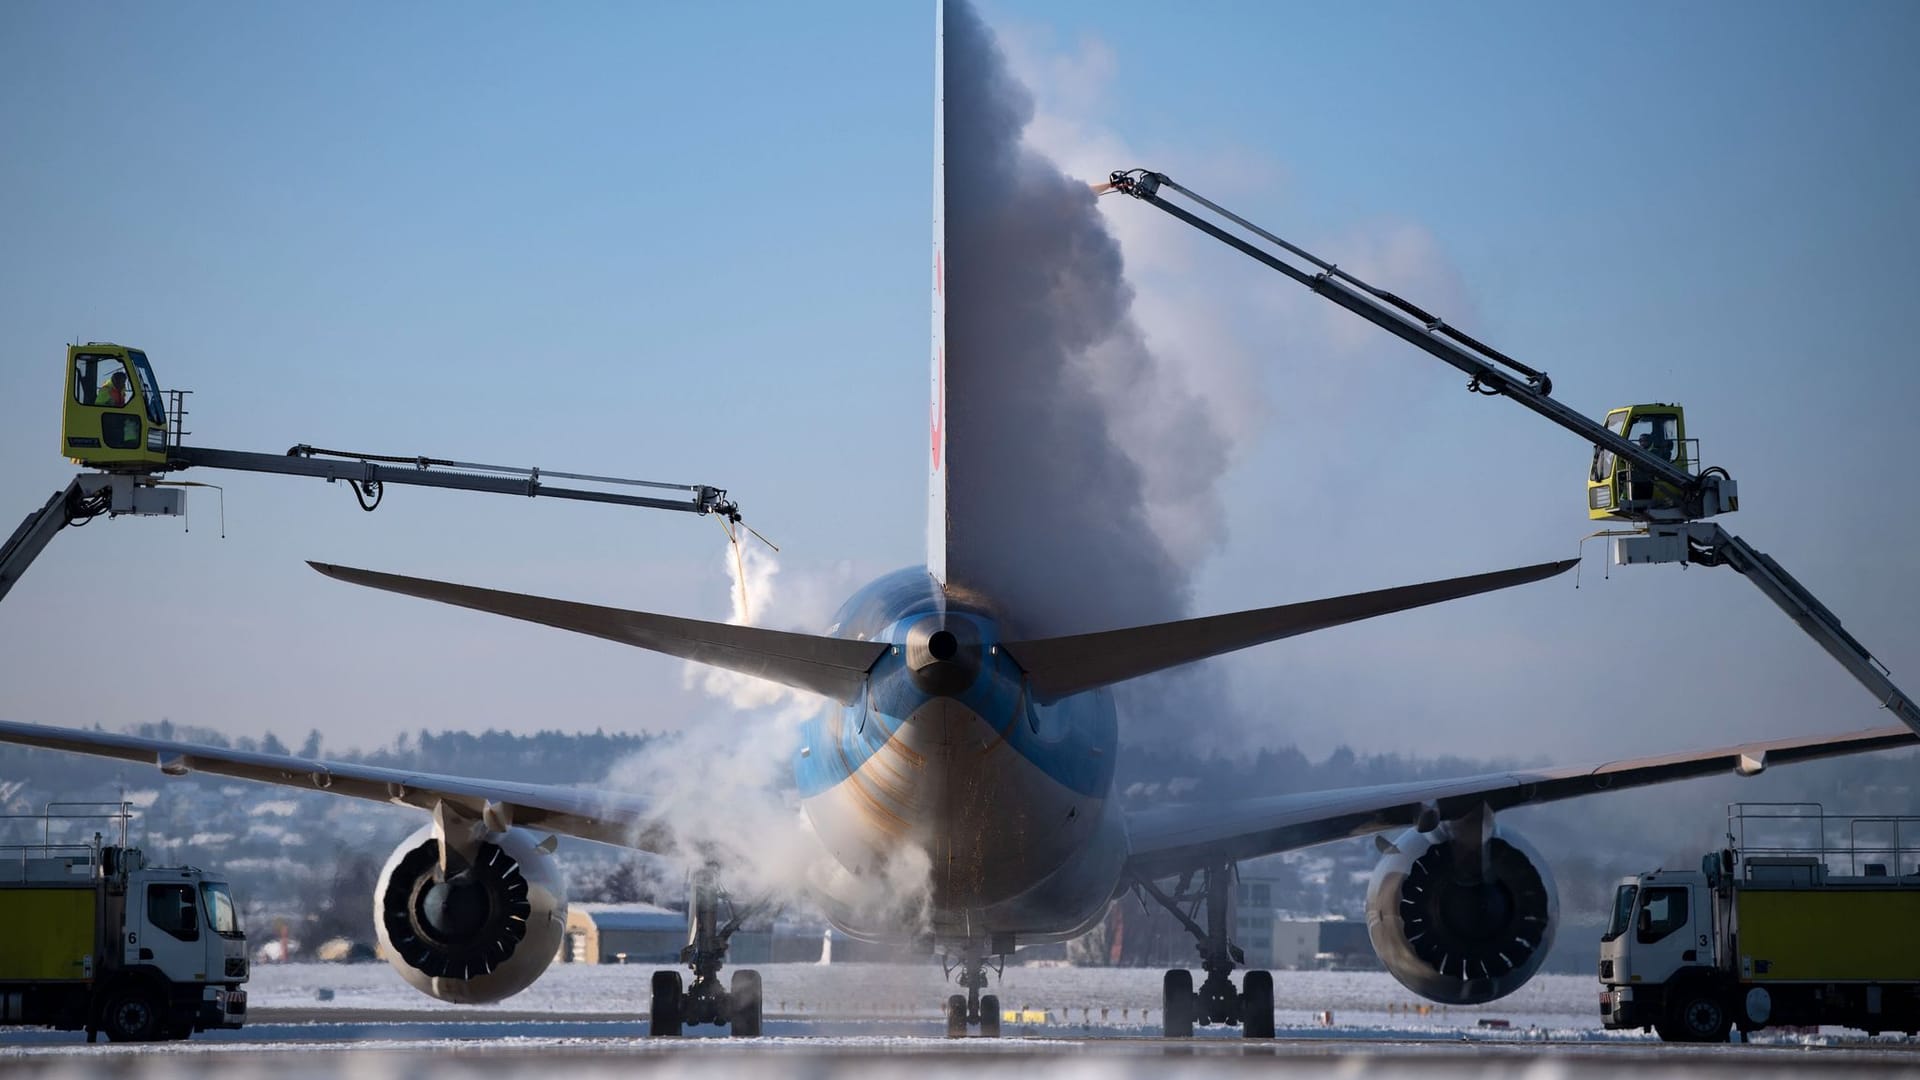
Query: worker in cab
point(114, 393)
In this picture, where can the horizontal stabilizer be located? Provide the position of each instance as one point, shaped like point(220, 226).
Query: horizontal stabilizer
point(834, 667)
point(1057, 667)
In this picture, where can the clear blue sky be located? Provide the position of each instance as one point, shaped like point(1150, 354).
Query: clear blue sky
point(688, 242)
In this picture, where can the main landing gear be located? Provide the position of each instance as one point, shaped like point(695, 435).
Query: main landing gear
point(706, 1001)
point(1216, 1002)
point(974, 1009)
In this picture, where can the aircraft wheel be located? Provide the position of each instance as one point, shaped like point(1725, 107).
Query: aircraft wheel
point(1256, 1005)
point(990, 1016)
point(956, 1017)
point(746, 1004)
point(1177, 1003)
point(664, 1016)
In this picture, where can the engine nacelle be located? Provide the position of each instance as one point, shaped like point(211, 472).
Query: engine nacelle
point(483, 934)
point(1452, 935)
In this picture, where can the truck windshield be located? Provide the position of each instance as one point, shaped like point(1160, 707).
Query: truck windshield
point(1622, 911)
point(220, 911)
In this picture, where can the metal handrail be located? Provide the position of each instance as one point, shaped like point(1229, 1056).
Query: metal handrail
point(1854, 850)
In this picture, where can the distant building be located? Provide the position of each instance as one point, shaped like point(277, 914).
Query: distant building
point(1322, 943)
point(1253, 920)
point(654, 935)
point(623, 933)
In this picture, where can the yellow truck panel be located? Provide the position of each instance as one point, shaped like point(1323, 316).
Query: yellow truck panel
point(1828, 935)
point(49, 934)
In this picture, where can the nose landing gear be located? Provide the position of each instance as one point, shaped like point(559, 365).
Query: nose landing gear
point(706, 1001)
point(974, 1009)
point(1216, 1002)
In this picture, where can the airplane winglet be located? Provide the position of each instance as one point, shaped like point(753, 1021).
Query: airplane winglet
point(1058, 667)
point(832, 667)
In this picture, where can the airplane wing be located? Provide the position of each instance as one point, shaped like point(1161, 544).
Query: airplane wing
point(829, 666)
point(1171, 840)
point(589, 815)
point(1058, 667)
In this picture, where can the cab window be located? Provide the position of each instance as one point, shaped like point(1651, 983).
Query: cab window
point(102, 381)
point(1603, 457)
point(1660, 434)
point(171, 908)
point(156, 412)
point(1662, 912)
point(1622, 911)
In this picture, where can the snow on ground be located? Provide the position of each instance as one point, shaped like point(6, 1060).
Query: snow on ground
point(1129, 996)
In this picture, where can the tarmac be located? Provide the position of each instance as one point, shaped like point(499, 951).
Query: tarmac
point(290, 1044)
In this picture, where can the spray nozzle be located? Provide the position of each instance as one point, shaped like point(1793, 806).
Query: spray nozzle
point(1139, 183)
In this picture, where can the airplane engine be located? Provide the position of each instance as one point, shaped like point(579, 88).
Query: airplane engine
point(1458, 926)
point(483, 934)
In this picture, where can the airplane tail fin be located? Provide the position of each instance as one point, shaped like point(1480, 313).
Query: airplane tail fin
point(937, 425)
point(1057, 667)
point(834, 667)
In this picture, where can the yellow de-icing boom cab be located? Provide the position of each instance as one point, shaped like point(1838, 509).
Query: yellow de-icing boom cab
point(1613, 494)
point(114, 416)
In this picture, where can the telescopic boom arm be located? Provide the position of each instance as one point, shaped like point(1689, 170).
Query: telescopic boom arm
point(369, 473)
point(1489, 371)
point(139, 492)
point(1672, 530)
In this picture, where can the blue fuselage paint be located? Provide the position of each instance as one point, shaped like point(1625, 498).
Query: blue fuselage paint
point(1008, 801)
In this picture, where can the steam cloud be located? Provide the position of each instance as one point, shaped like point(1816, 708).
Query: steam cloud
point(723, 789)
point(1084, 475)
point(1078, 462)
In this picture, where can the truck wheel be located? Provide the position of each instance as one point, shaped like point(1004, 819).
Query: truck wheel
point(1700, 1015)
point(132, 1014)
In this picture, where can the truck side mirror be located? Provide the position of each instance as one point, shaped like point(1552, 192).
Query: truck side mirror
point(1644, 922)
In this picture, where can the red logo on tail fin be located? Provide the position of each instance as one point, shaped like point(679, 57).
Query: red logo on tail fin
point(939, 402)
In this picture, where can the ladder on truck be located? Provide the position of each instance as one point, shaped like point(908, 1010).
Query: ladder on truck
point(1672, 526)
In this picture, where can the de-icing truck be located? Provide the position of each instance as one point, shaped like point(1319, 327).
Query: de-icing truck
point(1804, 919)
point(96, 939)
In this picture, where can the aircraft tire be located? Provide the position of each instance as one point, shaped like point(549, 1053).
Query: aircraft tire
point(663, 1018)
point(956, 1017)
point(1177, 1004)
point(990, 1016)
point(1256, 1005)
point(746, 1004)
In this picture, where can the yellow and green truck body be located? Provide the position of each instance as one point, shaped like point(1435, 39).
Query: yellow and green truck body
point(1822, 935)
point(1764, 942)
point(96, 940)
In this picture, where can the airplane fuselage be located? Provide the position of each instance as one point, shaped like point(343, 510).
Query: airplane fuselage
point(946, 758)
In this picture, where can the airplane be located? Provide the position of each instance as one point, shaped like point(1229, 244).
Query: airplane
point(982, 755)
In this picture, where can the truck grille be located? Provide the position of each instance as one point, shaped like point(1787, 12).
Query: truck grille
point(236, 967)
